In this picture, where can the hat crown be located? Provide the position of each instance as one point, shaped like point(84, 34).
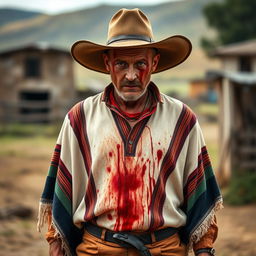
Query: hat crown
point(129, 22)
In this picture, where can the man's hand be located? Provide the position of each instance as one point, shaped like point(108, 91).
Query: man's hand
point(55, 249)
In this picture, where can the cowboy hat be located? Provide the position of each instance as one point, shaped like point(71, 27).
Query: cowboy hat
point(131, 29)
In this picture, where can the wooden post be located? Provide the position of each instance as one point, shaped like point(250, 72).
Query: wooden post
point(225, 124)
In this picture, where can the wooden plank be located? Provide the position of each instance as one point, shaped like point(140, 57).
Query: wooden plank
point(247, 136)
point(248, 165)
point(32, 117)
point(34, 104)
point(247, 150)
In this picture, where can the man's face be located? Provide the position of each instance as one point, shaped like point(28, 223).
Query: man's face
point(130, 70)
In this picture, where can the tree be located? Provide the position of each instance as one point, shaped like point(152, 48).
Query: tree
point(233, 20)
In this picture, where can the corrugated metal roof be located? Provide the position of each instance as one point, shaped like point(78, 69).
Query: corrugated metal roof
point(242, 78)
point(247, 48)
point(245, 78)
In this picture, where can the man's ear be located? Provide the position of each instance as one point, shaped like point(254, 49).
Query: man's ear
point(155, 62)
point(106, 61)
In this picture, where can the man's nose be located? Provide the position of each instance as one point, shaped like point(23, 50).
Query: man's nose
point(131, 73)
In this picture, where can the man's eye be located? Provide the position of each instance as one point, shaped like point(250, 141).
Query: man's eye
point(141, 64)
point(120, 64)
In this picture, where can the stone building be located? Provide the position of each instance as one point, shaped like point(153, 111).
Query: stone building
point(36, 83)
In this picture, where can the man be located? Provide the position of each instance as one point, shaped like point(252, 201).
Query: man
point(130, 174)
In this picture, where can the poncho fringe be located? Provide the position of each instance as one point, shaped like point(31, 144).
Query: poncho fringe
point(45, 210)
point(203, 227)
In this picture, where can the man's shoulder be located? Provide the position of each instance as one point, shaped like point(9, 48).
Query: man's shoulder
point(170, 100)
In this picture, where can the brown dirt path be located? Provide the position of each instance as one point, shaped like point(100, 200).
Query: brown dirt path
point(237, 231)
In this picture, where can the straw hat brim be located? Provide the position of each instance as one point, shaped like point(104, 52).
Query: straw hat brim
point(173, 51)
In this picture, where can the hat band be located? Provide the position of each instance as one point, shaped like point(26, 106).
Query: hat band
point(130, 37)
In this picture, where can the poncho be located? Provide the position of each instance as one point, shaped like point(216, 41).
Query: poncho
point(154, 175)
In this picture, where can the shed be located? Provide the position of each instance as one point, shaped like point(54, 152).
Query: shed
point(36, 83)
point(201, 89)
point(236, 83)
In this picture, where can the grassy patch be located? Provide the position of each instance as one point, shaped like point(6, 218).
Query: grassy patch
point(174, 87)
point(212, 148)
point(26, 224)
point(242, 189)
point(7, 233)
point(10, 143)
point(34, 147)
point(207, 109)
point(28, 130)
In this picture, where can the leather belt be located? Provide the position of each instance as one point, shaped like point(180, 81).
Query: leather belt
point(145, 238)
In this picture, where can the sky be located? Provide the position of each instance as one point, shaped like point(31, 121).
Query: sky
point(59, 6)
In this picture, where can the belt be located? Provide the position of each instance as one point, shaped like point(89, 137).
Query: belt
point(145, 238)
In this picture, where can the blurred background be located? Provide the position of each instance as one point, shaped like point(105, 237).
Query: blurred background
point(39, 82)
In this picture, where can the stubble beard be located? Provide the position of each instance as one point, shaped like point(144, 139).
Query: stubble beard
point(128, 98)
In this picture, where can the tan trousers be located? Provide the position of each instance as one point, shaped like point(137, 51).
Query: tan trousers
point(92, 245)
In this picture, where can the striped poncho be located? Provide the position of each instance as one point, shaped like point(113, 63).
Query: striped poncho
point(154, 175)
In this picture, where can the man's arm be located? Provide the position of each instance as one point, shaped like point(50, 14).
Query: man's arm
point(55, 248)
point(207, 240)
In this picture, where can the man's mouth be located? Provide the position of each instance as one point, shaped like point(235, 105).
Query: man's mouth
point(131, 87)
point(131, 84)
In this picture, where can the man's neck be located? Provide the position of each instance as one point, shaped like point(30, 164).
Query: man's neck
point(132, 107)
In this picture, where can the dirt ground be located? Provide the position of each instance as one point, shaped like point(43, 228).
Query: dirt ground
point(23, 166)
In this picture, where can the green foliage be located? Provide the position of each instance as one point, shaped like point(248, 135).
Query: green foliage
point(209, 45)
point(242, 189)
point(234, 21)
